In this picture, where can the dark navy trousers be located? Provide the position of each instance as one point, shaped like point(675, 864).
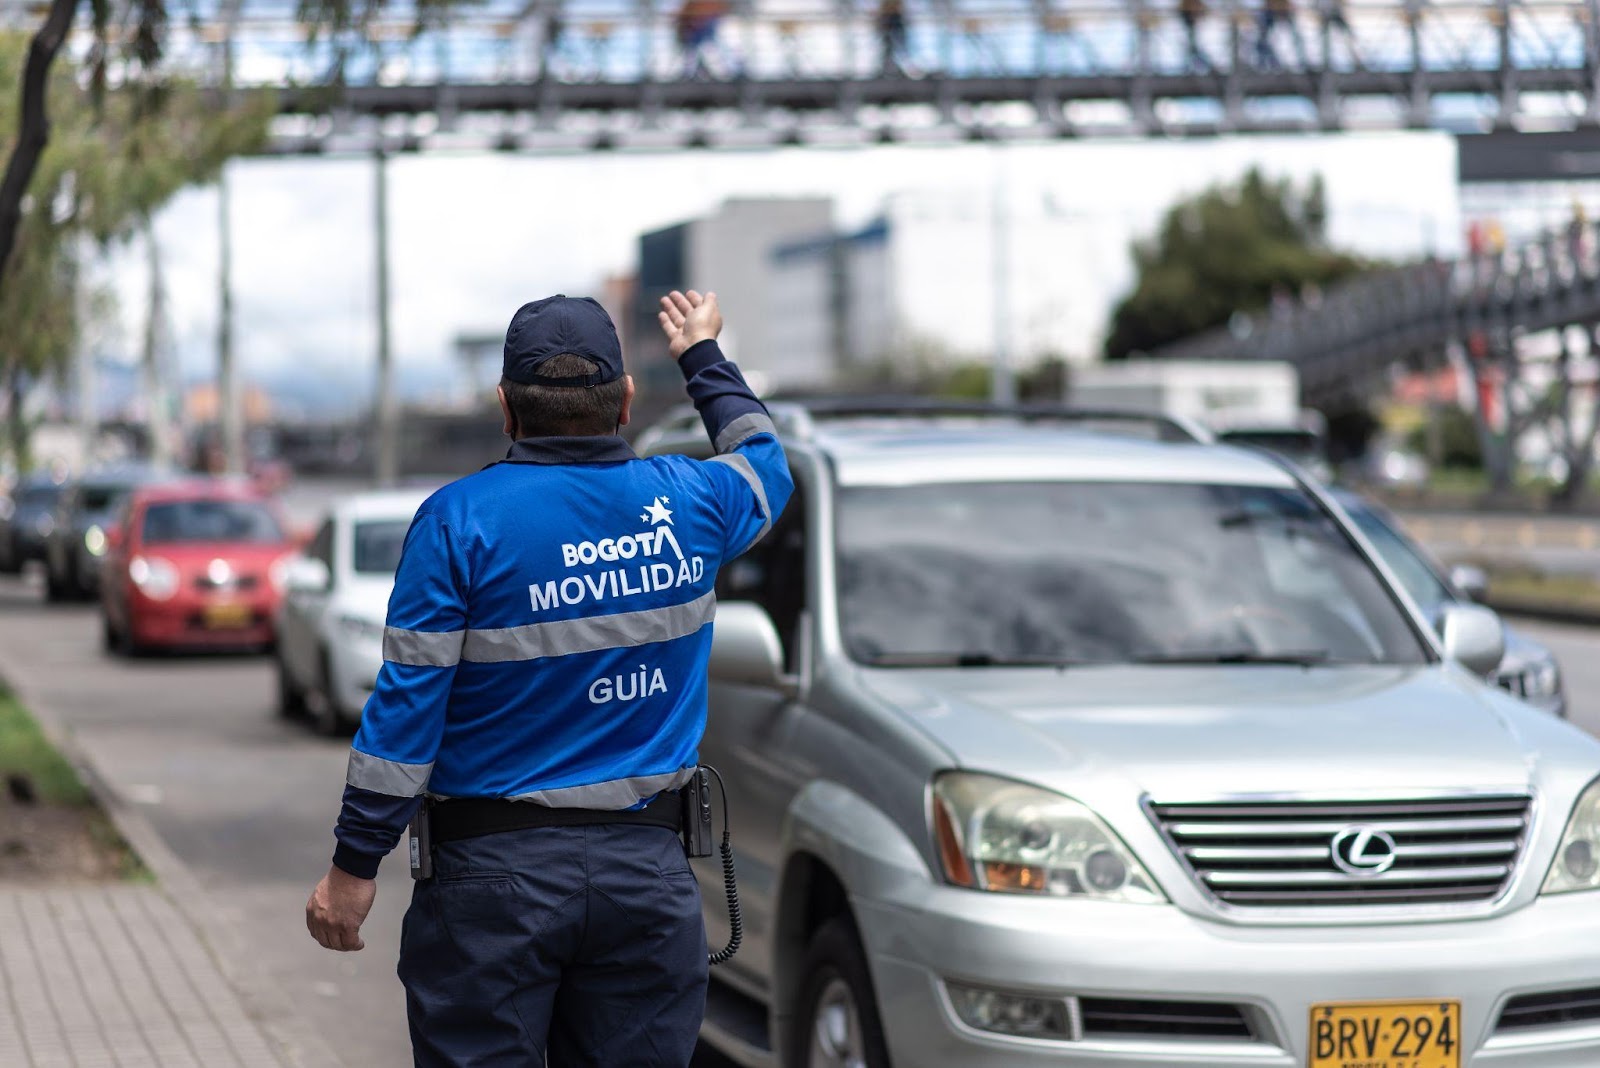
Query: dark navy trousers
point(576, 947)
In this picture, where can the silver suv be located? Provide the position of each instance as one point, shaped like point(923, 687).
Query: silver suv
point(1051, 745)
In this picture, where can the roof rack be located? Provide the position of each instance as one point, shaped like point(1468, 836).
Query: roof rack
point(797, 416)
point(804, 412)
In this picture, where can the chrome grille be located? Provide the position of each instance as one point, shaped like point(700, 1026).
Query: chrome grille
point(1281, 853)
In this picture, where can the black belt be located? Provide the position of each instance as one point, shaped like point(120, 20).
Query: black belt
point(471, 817)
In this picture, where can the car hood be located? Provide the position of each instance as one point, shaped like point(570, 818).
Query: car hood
point(196, 556)
point(1181, 732)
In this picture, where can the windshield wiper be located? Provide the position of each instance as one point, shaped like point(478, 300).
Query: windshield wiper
point(968, 659)
point(1294, 658)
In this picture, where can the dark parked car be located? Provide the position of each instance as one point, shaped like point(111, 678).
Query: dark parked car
point(77, 540)
point(26, 516)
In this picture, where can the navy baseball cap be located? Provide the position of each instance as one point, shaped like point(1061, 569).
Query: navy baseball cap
point(557, 326)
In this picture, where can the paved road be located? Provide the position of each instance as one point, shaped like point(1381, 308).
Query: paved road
point(248, 800)
point(244, 798)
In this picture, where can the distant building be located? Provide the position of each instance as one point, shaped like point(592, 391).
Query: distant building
point(922, 280)
point(730, 252)
point(831, 305)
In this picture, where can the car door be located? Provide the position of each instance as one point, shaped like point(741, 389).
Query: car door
point(303, 611)
point(746, 731)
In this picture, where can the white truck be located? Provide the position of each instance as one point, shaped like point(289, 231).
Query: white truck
point(1248, 402)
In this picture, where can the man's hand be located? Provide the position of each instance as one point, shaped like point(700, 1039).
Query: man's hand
point(337, 909)
point(688, 319)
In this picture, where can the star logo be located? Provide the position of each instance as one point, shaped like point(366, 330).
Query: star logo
point(657, 512)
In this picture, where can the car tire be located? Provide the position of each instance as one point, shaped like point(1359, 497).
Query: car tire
point(291, 699)
point(108, 634)
point(55, 590)
point(837, 1021)
point(326, 716)
point(126, 645)
point(10, 557)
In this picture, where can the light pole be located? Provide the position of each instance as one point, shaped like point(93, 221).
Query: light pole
point(230, 401)
point(387, 445)
point(1002, 389)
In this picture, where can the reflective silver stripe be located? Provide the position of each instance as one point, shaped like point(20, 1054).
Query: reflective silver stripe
point(742, 429)
point(562, 637)
point(391, 777)
point(422, 648)
point(741, 464)
point(609, 796)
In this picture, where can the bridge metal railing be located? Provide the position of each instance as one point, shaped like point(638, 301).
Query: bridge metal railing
point(1346, 342)
point(1159, 64)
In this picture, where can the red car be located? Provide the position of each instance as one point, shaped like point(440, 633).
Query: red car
point(194, 564)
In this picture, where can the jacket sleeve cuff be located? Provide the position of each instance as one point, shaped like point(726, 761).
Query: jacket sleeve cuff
point(701, 355)
point(354, 862)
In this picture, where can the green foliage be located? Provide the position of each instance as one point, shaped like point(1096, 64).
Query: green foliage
point(115, 156)
point(1228, 249)
point(1459, 445)
point(25, 750)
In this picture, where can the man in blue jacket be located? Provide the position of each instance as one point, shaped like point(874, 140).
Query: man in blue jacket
point(544, 687)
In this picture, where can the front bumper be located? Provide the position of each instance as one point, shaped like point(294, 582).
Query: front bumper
point(184, 624)
point(1272, 974)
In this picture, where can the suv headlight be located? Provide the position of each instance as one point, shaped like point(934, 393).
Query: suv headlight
point(1577, 864)
point(1005, 836)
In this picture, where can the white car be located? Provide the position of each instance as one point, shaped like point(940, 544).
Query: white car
point(330, 628)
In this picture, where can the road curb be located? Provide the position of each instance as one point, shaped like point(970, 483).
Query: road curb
point(267, 1006)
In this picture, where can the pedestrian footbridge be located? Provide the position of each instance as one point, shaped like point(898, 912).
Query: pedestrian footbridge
point(586, 74)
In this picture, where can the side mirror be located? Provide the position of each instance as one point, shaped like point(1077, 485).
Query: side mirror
point(1470, 580)
point(745, 647)
point(307, 575)
point(1473, 636)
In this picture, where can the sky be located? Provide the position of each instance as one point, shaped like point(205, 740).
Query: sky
point(474, 236)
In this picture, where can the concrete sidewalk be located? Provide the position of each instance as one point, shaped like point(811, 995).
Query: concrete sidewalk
point(115, 976)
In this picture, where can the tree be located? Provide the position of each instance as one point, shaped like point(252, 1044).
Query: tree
point(1232, 248)
point(115, 157)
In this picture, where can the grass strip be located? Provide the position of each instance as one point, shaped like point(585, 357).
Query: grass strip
point(25, 751)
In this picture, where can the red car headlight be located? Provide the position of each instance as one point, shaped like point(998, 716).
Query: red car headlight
point(156, 578)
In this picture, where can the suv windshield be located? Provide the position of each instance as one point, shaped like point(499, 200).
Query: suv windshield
point(378, 545)
point(210, 521)
point(1097, 572)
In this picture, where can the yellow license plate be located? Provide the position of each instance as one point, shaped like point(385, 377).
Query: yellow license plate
point(1386, 1034)
point(227, 615)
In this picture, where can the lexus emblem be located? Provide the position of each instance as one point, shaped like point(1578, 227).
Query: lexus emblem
point(1363, 851)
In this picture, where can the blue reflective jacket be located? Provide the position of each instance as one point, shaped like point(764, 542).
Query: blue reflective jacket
point(550, 624)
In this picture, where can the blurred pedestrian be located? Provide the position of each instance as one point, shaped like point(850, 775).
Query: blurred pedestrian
point(552, 32)
point(1334, 19)
point(1192, 12)
point(1577, 235)
point(540, 708)
point(891, 26)
point(1062, 34)
point(696, 26)
point(1273, 14)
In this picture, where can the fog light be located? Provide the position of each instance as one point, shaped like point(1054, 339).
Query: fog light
point(1006, 1013)
point(1579, 859)
point(1105, 871)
